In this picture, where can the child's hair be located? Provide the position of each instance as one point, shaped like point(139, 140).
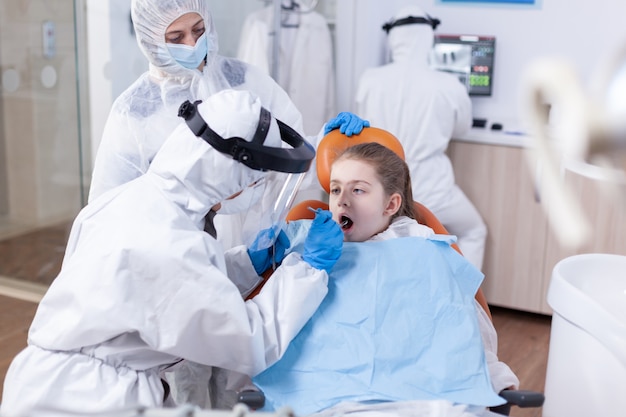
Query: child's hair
point(391, 170)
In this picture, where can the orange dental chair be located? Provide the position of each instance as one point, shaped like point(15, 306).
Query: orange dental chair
point(330, 146)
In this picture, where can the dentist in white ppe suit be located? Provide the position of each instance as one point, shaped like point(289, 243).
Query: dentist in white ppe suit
point(143, 288)
point(424, 109)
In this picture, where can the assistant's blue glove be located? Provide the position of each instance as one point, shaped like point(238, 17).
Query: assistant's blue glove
point(323, 244)
point(348, 123)
point(262, 259)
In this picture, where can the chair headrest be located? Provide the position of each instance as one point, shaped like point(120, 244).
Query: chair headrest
point(335, 142)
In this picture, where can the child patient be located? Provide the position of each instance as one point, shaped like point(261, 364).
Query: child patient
point(400, 322)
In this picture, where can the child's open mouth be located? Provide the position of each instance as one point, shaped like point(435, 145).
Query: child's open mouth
point(345, 222)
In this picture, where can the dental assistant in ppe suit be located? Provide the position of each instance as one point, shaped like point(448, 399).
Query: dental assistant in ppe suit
point(143, 287)
point(424, 109)
point(179, 40)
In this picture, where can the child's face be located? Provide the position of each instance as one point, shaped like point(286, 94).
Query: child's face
point(358, 201)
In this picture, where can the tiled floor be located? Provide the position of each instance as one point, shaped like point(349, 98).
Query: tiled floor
point(29, 262)
point(34, 256)
point(15, 318)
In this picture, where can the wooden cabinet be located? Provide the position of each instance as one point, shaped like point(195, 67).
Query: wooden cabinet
point(604, 210)
point(521, 248)
point(497, 180)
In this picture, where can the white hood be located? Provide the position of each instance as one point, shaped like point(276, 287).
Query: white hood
point(195, 175)
point(413, 41)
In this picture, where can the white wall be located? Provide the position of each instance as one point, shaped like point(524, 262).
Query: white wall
point(228, 17)
point(581, 31)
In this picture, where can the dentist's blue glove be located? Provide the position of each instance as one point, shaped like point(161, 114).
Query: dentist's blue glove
point(323, 244)
point(348, 123)
point(262, 259)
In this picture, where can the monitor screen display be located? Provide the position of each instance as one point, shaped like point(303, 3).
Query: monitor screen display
point(469, 57)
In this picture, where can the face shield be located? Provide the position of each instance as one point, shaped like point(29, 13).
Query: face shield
point(274, 148)
point(412, 37)
point(412, 20)
point(264, 206)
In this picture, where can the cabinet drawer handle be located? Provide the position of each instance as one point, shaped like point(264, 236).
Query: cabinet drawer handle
point(537, 182)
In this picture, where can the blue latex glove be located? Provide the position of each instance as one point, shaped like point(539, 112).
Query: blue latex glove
point(348, 123)
point(323, 244)
point(263, 259)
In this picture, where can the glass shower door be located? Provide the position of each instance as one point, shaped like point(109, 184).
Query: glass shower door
point(42, 186)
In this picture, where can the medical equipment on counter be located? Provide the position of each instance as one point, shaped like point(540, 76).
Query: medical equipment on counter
point(586, 374)
point(468, 57)
point(590, 130)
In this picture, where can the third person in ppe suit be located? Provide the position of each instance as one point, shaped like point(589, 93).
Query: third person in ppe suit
point(424, 109)
point(143, 287)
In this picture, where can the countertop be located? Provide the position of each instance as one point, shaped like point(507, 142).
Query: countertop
point(490, 137)
point(520, 140)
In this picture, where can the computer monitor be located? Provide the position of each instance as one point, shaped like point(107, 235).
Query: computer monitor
point(469, 57)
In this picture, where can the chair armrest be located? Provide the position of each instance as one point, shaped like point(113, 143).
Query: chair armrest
point(523, 398)
point(253, 399)
point(520, 398)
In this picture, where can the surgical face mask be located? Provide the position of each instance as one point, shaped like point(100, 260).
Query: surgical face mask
point(248, 198)
point(190, 56)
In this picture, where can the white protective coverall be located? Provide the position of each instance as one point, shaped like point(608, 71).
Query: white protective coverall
point(306, 67)
point(144, 115)
point(143, 287)
point(424, 109)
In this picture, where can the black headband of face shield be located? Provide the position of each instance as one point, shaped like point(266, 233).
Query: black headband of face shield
point(432, 21)
point(254, 154)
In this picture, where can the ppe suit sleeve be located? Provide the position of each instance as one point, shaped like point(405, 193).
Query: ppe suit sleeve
point(361, 95)
point(208, 322)
point(287, 301)
point(463, 111)
point(114, 161)
point(240, 270)
point(502, 376)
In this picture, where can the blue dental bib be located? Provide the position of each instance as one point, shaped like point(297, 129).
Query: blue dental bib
point(399, 323)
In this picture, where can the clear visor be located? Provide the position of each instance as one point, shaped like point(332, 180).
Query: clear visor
point(269, 202)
